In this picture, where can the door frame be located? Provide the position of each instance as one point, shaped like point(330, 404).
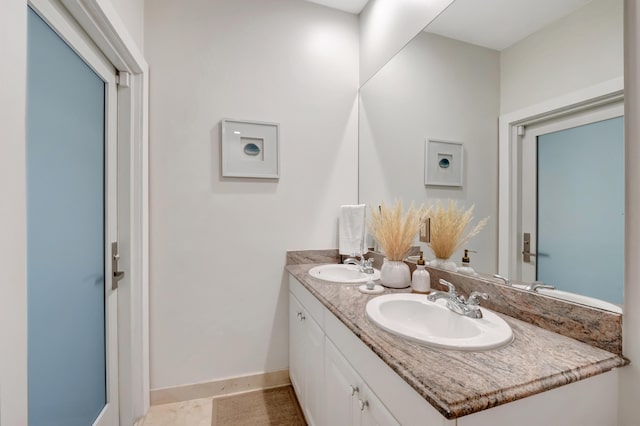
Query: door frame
point(509, 167)
point(528, 210)
point(104, 27)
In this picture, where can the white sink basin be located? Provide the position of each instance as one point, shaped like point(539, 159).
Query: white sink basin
point(347, 274)
point(413, 317)
point(577, 298)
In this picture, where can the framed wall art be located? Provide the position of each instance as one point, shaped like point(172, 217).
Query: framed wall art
point(250, 149)
point(443, 163)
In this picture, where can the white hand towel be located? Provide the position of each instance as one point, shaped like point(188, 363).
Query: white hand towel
point(352, 229)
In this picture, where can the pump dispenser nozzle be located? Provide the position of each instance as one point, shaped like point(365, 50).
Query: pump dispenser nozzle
point(466, 258)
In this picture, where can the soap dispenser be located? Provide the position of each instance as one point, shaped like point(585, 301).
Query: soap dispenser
point(421, 280)
point(466, 264)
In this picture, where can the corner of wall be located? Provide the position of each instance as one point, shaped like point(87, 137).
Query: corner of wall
point(629, 385)
point(386, 26)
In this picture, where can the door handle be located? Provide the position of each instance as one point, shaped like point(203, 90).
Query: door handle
point(116, 275)
point(526, 248)
point(363, 404)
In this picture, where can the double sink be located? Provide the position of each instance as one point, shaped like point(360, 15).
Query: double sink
point(414, 317)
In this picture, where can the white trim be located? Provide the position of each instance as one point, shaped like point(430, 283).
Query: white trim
point(605, 92)
point(220, 387)
point(100, 20)
point(103, 25)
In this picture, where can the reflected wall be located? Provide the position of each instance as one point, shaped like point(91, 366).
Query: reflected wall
point(438, 88)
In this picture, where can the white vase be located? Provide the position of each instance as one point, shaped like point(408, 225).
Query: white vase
point(395, 274)
point(446, 264)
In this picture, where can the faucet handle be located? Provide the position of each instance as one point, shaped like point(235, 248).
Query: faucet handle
point(473, 298)
point(367, 266)
point(504, 279)
point(451, 287)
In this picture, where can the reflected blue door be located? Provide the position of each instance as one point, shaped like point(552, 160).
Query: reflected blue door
point(65, 233)
point(581, 209)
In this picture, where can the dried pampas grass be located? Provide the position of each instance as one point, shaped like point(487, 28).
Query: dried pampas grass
point(395, 232)
point(447, 226)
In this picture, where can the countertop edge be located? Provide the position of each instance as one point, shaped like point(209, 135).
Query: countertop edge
point(481, 402)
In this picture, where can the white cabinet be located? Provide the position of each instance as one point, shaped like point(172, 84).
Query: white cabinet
point(342, 385)
point(340, 382)
point(296, 359)
point(373, 412)
point(306, 361)
point(349, 400)
point(330, 391)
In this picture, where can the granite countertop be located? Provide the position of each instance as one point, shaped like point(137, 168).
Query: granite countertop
point(458, 383)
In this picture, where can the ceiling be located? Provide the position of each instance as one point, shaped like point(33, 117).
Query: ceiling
point(351, 6)
point(497, 24)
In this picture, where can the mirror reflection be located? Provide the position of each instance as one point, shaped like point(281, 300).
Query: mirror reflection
point(532, 92)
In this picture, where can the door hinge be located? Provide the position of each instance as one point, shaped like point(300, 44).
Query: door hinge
point(520, 130)
point(123, 79)
point(115, 274)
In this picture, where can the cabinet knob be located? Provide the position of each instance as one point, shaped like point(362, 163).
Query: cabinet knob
point(363, 404)
point(354, 390)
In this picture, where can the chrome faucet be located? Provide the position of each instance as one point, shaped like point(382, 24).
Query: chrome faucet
point(534, 286)
point(458, 304)
point(365, 265)
point(505, 279)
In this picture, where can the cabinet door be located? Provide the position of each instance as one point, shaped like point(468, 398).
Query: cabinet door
point(296, 346)
point(372, 411)
point(341, 388)
point(313, 353)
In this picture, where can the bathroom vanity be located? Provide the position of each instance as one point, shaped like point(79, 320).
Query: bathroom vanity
point(345, 370)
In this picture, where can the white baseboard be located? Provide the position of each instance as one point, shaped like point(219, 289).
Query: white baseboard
point(220, 387)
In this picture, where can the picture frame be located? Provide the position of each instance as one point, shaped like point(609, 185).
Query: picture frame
point(443, 163)
point(250, 149)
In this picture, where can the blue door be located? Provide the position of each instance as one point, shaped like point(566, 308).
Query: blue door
point(581, 209)
point(65, 233)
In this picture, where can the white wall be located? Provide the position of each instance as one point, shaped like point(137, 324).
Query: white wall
point(630, 375)
point(132, 14)
point(386, 26)
point(577, 51)
point(218, 297)
point(440, 88)
point(13, 303)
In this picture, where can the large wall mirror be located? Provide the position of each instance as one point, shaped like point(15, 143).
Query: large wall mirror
point(533, 91)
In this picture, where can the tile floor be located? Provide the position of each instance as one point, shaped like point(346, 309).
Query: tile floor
point(196, 412)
